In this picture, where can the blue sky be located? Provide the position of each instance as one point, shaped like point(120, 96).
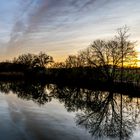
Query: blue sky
point(62, 27)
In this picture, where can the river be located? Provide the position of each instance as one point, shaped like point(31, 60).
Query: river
point(51, 112)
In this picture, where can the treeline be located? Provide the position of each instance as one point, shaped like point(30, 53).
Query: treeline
point(26, 65)
point(111, 60)
point(115, 60)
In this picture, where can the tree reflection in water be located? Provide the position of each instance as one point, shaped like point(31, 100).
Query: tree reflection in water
point(103, 114)
point(29, 91)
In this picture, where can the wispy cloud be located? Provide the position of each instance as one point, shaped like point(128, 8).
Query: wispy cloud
point(46, 22)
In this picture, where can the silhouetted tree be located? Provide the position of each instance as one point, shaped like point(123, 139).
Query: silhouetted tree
point(26, 59)
point(32, 60)
point(71, 61)
point(126, 48)
point(58, 65)
point(42, 60)
point(77, 61)
point(81, 58)
point(108, 55)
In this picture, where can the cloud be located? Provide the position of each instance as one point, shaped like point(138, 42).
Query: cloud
point(39, 21)
point(53, 15)
point(35, 12)
point(19, 26)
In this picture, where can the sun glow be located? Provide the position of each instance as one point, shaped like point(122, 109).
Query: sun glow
point(138, 55)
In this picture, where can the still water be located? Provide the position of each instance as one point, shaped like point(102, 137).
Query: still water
point(50, 112)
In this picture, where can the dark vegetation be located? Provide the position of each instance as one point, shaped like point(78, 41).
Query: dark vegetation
point(104, 61)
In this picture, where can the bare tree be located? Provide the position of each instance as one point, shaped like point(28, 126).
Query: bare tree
point(82, 59)
point(111, 54)
point(33, 60)
point(42, 60)
point(25, 59)
point(71, 61)
point(58, 65)
point(126, 48)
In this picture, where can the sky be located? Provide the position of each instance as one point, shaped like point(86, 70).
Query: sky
point(63, 27)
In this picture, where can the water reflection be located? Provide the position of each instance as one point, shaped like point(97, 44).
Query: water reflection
point(103, 114)
point(29, 91)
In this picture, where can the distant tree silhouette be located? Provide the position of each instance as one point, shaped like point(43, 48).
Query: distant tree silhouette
point(43, 59)
point(71, 61)
point(58, 65)
point(25, 59)
point(33, 60)
point(81, 58)
point(77, 61)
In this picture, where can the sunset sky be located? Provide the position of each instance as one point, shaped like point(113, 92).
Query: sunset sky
point(63, 27)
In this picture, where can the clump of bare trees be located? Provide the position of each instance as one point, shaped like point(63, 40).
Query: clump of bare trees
point(32, 60)
point(111, 54)
point(106, 55)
